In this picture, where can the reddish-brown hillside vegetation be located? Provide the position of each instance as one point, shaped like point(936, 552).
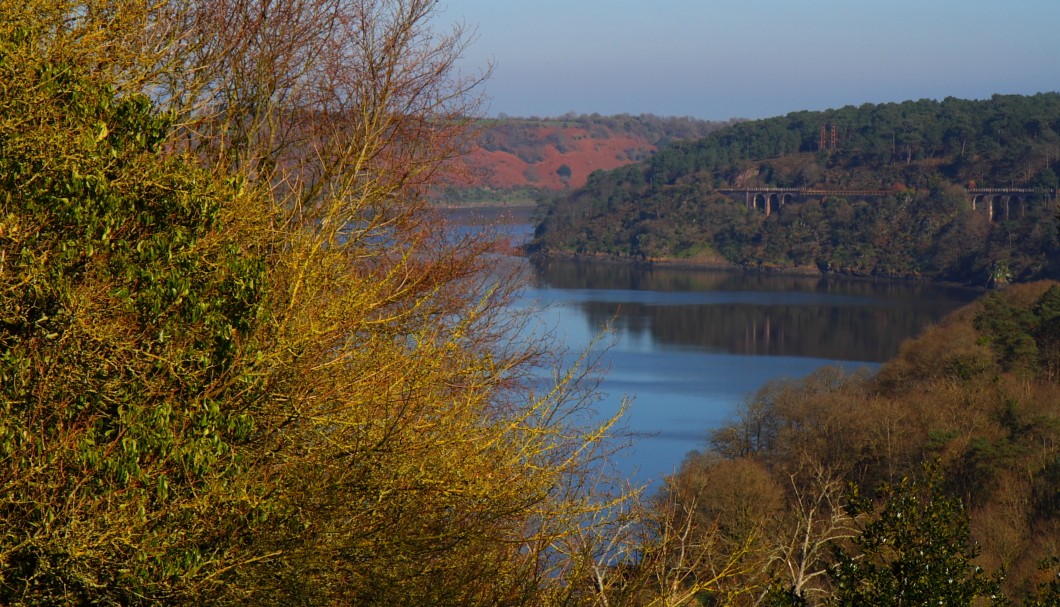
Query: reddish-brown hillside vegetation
point(514, 154)
point(535, 157)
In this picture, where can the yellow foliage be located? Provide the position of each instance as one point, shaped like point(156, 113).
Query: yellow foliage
point(244, 361)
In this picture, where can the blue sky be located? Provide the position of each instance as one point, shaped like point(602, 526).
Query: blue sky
point(718, 59)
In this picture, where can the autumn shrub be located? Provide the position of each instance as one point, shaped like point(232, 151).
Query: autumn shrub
point(242, 360)
point(970, 395)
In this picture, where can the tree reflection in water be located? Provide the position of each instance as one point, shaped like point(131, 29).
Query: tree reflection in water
point(753, 314)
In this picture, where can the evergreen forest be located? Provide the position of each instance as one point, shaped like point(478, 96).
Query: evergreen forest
point(917, 161)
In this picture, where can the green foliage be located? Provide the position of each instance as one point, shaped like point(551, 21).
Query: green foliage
point(780, 596)
point(121, 304)
point(1008, 331)
point(486, 196)
point(915, 550)
point(666, 206)
point(1047, 594)
point(1047, 332)
point(1023, 338)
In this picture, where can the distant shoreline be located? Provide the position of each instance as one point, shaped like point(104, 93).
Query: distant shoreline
point(728, 266)
point(483, 204)
point(715, 264)
point(671, 262)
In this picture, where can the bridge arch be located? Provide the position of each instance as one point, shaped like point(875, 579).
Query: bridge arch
point(774, 203)
point(1007, 204)
point(760, 202)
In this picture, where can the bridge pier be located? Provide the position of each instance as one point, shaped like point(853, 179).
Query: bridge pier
point(996, 206)
point(1000, 204)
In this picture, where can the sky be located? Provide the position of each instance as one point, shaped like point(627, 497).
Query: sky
point(721, 59)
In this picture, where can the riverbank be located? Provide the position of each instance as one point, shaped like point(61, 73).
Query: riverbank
point(498, 214)
point(724, 265)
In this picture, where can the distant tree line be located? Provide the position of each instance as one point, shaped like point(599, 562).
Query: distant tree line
point(523, 136)
point(1004, 140)
point(655, 129)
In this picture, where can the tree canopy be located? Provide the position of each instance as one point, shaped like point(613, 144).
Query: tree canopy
point(241, 360)
point(833, 488)
point(922, 155)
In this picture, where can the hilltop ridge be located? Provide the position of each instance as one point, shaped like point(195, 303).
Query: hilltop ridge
point(926, 155)
point(526, 158)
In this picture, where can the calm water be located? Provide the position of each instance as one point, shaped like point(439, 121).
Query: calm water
point(688, 346)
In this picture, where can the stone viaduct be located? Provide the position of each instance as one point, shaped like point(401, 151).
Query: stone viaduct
point(1000, 204)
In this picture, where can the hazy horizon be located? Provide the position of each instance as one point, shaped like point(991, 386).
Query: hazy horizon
point(752, 58)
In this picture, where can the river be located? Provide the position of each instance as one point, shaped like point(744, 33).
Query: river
point(688, 346)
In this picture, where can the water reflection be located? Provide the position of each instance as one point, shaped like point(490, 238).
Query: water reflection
point(749, 314)
point(690, 345)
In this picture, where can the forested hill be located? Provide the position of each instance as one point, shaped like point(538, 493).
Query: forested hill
point(523, 158)
point(924, 155)
point(976, 395)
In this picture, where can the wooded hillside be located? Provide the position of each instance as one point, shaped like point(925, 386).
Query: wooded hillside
point(975, 398)
point(518, 159)
point(924, 155)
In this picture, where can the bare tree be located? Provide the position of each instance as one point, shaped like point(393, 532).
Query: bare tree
point(818, 521)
